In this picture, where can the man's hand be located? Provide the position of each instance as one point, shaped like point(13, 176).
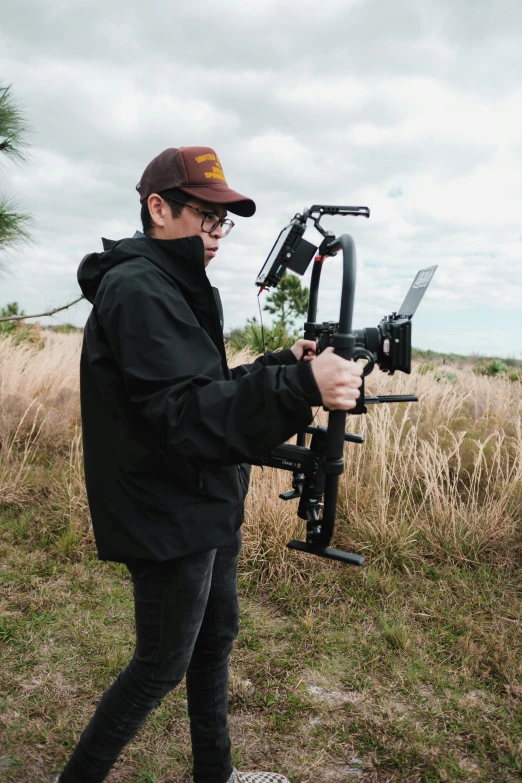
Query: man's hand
point(304, 349)
point(338, 380)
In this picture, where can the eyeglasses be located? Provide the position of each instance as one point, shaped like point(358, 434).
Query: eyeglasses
point(210, 220)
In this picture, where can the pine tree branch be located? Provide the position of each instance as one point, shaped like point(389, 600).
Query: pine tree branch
point(13, 127)
point(13, 224)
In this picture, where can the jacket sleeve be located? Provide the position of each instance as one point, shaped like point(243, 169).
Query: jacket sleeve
point(170, 369)
point(268, 359)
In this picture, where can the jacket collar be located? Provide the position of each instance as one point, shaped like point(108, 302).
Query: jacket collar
point(183, 260)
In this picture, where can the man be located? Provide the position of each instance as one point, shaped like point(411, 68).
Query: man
point(166, 428)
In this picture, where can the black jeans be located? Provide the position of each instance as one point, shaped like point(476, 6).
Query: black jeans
point(187, 617)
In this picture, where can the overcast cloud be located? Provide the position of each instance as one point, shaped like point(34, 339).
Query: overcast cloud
point(411, 107)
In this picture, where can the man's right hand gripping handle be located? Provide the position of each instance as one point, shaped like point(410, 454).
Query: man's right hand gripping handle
point(338, 380)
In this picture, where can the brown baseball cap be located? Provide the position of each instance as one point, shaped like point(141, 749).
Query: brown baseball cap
point(198, 172)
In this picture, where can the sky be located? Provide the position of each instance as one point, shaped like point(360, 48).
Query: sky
point(412, 108)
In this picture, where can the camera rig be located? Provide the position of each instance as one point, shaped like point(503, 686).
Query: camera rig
point(316, 469)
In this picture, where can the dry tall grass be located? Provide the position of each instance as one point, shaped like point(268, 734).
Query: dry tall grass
point(38, 407)
point(40, 385)
point(441, 478)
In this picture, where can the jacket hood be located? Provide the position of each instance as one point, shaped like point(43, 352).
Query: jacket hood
point(182, 259)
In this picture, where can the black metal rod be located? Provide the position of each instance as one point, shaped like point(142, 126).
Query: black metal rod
point(314, 289)
point(337, 419)
point(317, 429)
point(312, 315)
point(373, 400)
point(346, 243)
point(329, 509)
point(330, 554)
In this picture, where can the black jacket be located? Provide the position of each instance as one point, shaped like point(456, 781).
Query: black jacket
point(166, 424)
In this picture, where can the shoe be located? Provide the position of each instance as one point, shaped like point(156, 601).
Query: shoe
point(257, 777)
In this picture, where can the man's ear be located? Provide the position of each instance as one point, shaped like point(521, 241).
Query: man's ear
point(156, 207)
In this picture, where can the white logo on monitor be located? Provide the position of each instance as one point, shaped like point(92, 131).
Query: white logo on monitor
point(423, 277)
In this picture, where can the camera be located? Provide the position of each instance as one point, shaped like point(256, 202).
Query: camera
point(389, 342)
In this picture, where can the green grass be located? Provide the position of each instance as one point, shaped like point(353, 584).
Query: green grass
point(339, 674)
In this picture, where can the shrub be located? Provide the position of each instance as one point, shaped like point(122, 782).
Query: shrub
point(496, 367)
point(19, 330)
point(443, 375)
point(260, 339)
point(426, 367)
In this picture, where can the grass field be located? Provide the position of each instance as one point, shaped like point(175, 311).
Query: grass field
point(408, 669)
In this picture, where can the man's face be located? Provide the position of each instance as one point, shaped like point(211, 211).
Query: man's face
point(189, 223)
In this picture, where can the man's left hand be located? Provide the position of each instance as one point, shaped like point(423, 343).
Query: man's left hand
point(304, 349)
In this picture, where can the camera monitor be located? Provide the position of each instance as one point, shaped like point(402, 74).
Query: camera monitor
point(289, 251)
point(417, 291)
